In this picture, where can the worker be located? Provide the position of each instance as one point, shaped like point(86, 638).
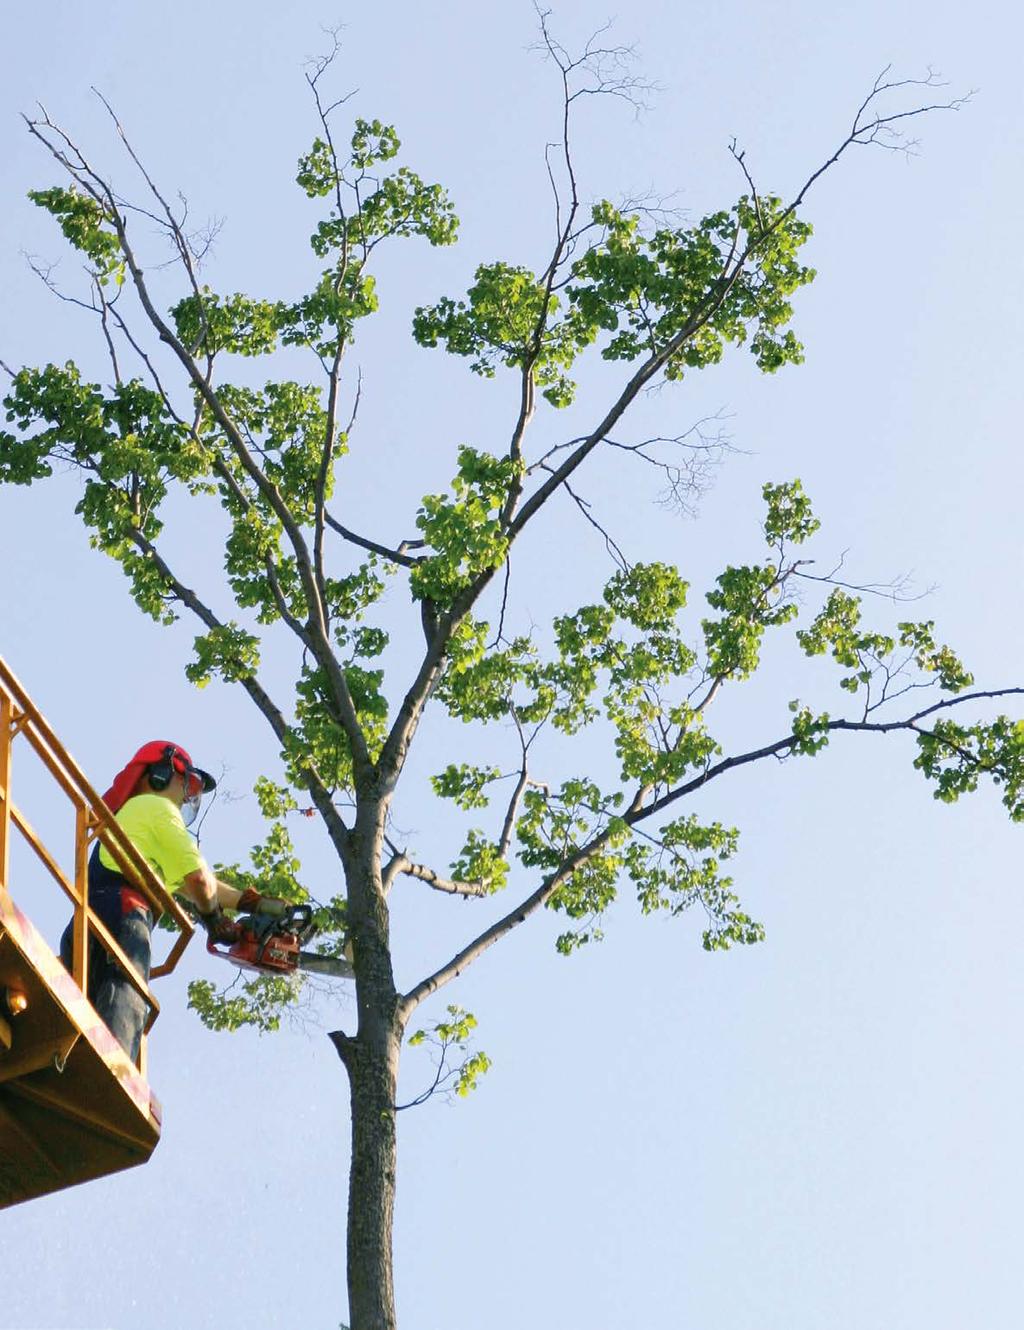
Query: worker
point(154, 799)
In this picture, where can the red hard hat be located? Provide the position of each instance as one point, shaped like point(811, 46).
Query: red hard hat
point(150, 755)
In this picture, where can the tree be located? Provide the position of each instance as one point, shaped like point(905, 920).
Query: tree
point(627, 283)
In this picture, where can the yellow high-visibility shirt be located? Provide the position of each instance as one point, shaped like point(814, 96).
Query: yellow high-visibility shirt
point(155, 827)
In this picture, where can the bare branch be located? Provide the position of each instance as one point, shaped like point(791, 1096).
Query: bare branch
point(601, 70)
point(157, 383)
point(104, 313)
point(45, 271)
point(451, 886)
point(512, 811)
point(879, 130)
point(174, 227)
point(319, 67)
point(897, 589)
point(740, 158)
point(394, 555)
point(704, 449)
point(687, 481)
point(499, 636)
point(609, 543)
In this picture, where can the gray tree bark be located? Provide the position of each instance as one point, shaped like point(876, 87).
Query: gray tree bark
point(371, 1061)
point(372, 1070)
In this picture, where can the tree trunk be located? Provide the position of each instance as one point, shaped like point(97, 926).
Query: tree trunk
point(371, 1060)
point(372, 1064)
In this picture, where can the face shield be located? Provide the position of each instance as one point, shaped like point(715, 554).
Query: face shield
point(193, 796)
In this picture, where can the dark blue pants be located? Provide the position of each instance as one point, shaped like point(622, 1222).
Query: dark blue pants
point(117, 1004)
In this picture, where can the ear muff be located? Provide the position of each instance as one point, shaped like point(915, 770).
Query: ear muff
point(161, 773)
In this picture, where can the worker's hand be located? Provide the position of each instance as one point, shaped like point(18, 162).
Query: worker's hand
point(220, 928)
point(251, 902)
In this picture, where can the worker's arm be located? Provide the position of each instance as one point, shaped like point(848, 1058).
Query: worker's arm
point(208, 892)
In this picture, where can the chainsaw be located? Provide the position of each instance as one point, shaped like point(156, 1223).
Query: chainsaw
point(272, 944)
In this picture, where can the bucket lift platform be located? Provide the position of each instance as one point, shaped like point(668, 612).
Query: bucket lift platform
point(73, 1106)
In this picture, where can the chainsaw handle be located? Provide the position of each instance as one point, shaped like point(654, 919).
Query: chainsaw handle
point(297, 917)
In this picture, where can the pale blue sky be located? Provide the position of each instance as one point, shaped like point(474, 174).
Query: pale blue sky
point(821, 1131)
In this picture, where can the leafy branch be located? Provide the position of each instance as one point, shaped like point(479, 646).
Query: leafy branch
point(444, 1037)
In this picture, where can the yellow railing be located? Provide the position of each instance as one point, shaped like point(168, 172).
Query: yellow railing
point(19, 719)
